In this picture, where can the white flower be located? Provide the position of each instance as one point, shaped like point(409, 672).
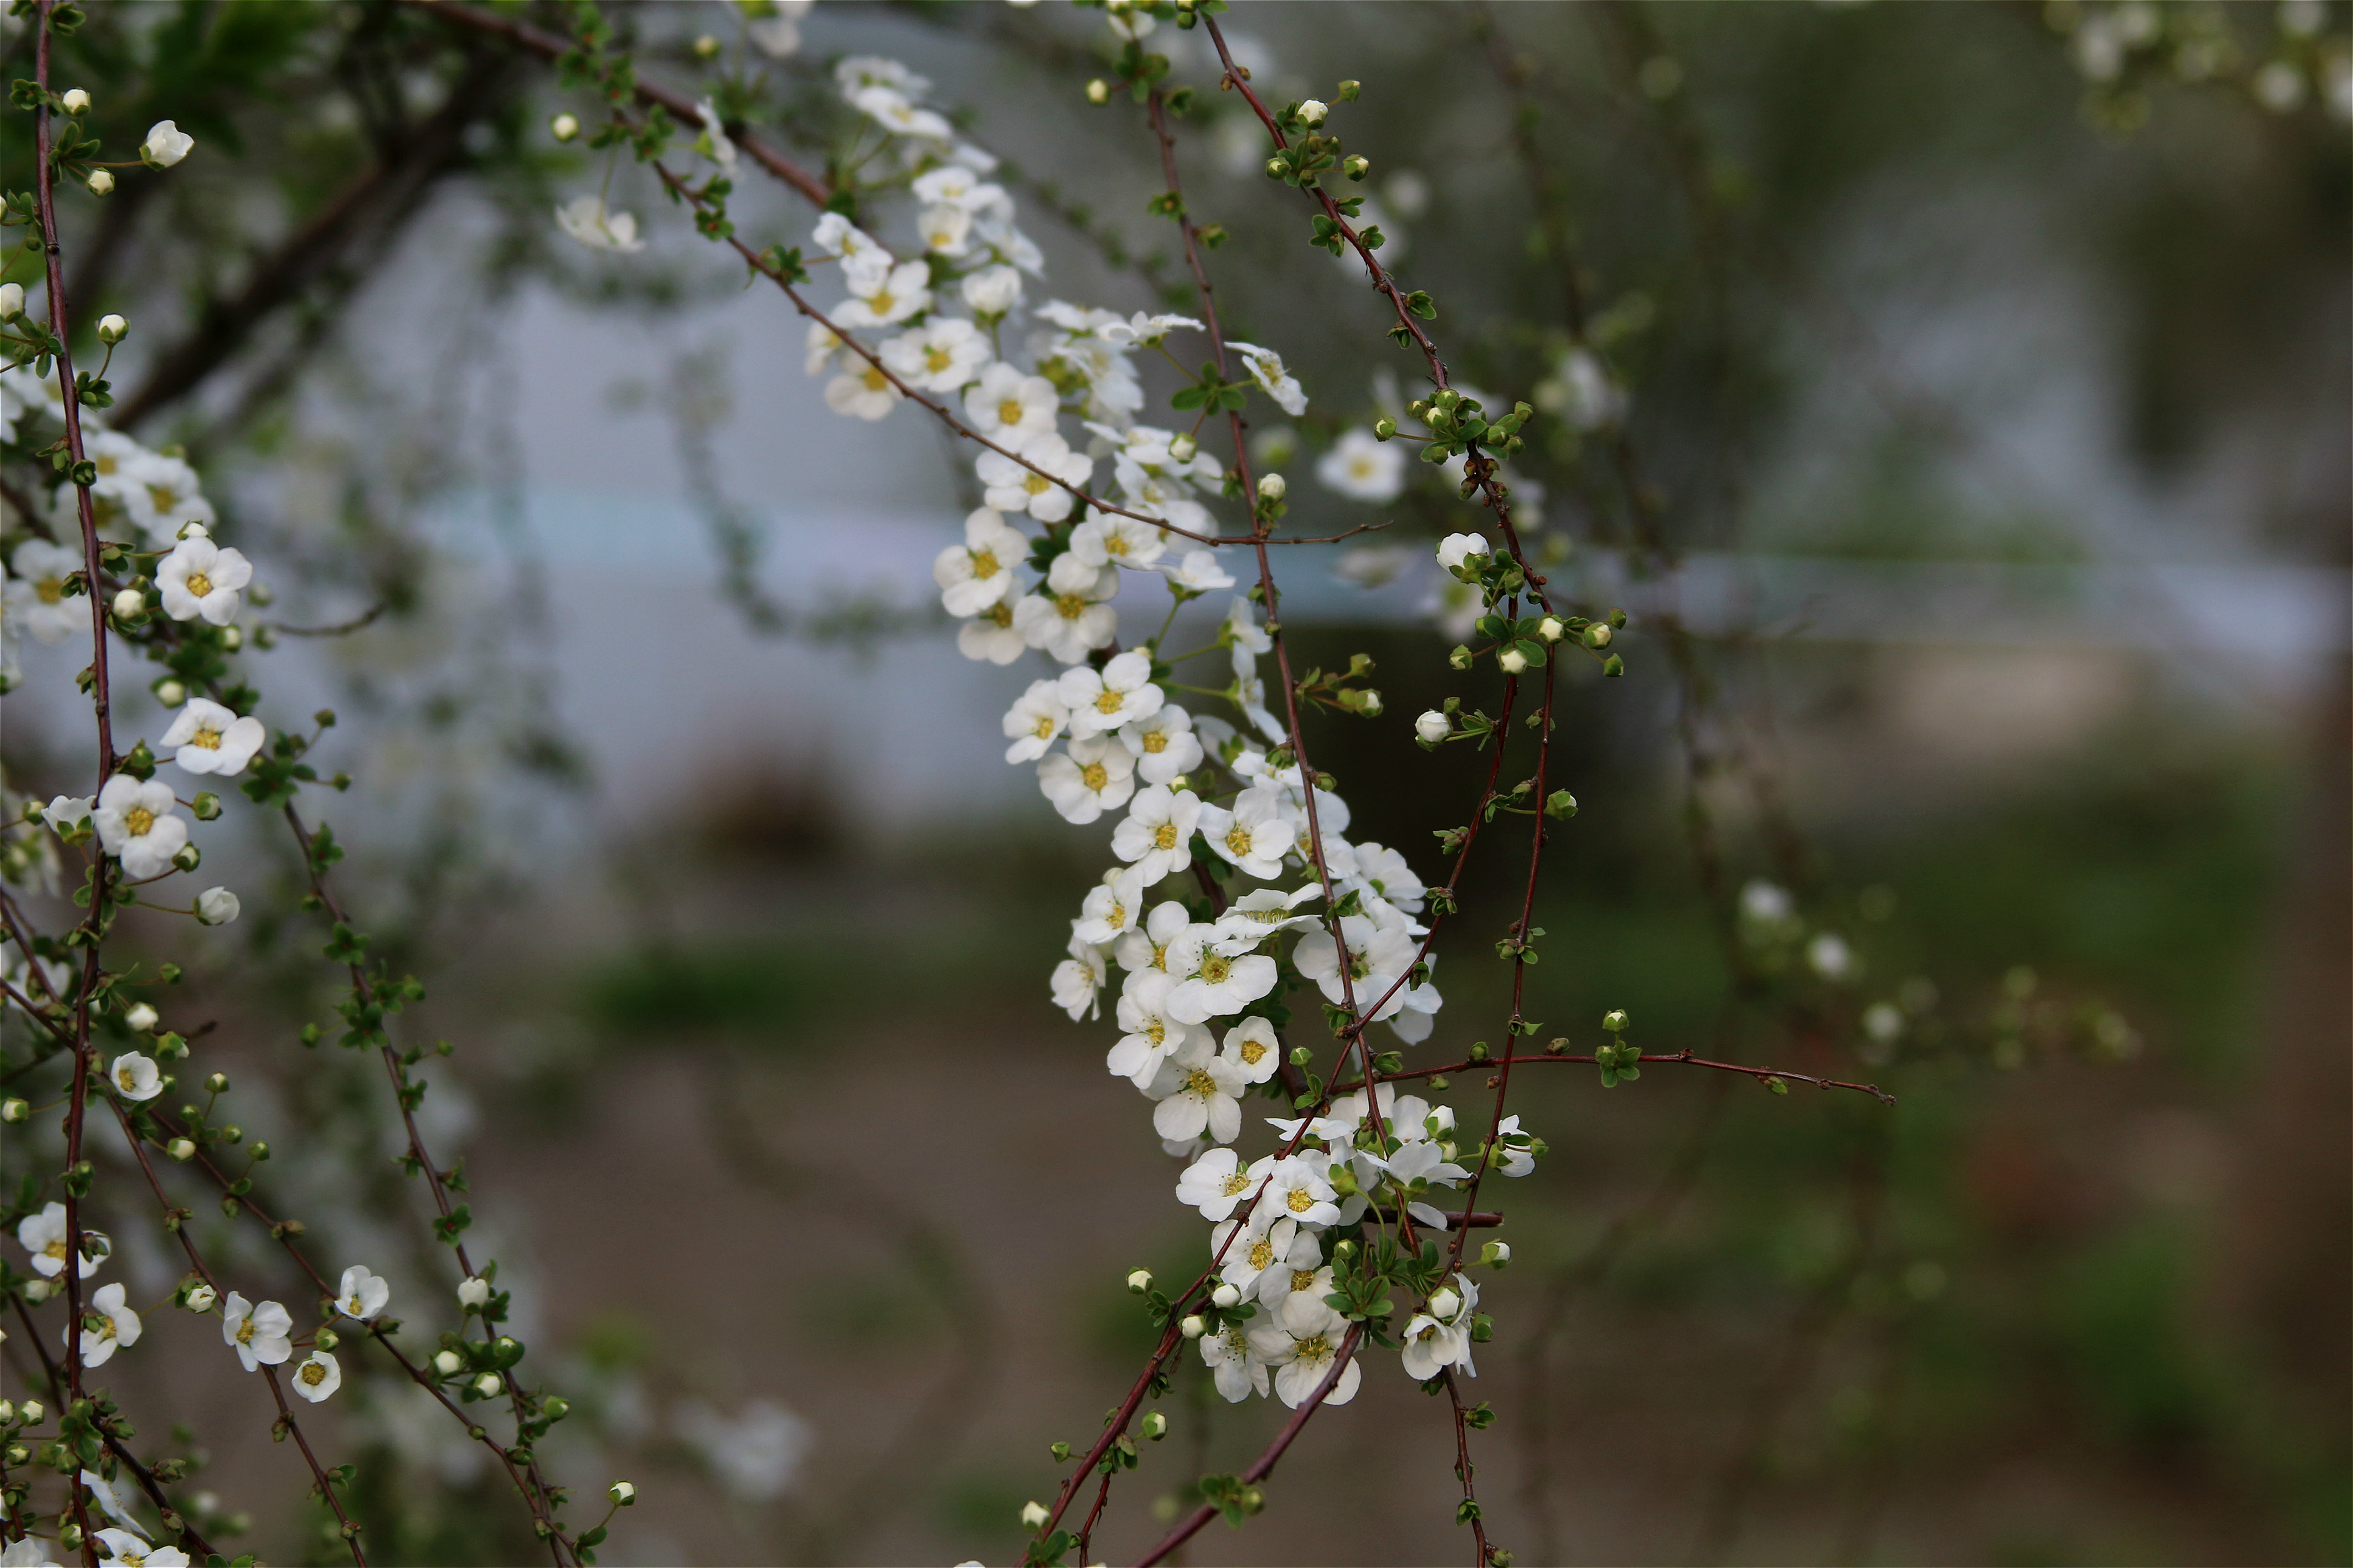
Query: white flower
point(211, 739)
point(1216, 1184)
point(1582, 391)
point(1266, 369)
point(992, 291)
point(863, 392)
point(1234, 1362)
point(1456, 547)
point(1198, 573)
point(1030, 485)
point(880, 297)
point(360, 1294)
point(44, 1235)
point(1512, 1158)
point(66, 812)
point(711, 141)
point(1111, 906)
point(1070, 619)
point(1262, 911)
point(1418, 1161)
point(1094, 776)
point(1254, 835)
point(978, 572)
point(1439, 1336)
point(1362, 467)
point(1149, 1035)
point(1141, 330)
point(1212, 984)
point(1156, 834)
point(941, 356)
point(115, 1503)
point(259, 1333)
point(945, 227)
point(117, 1325)
point(1882, 1022)
point(1122, 692)
point(892, 112)
point(317, 1376)
point(992, 635)
point(862, 256)
point(200, 578)
point(135, 1077)
point(754, 1454)
point(1035, 722)
point(166, 144)
point(1148, 948)
point(1008, 407)
point(216, 907)
point(1829, 956)
point(1197, 1090)
point(1241, 630)
point(1304, 1361)
point(29, 1551)
point(128, 1550)
point(1252, 1049)
point(473, 1292)
point(36, 594)
point(778, 36)
point(1117, 542)
point(1378, 956)
point(588, 222)
point(823, 345)
point(136, 822)
point(1384, 872)
point(1765, 904)
point(1433, 726)
point(1163, 745)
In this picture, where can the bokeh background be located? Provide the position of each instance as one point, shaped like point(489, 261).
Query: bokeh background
point(1989, 365)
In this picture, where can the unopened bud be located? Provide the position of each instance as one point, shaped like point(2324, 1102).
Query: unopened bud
point(563, 127)
point(13, 1110)
point(473, 1292)
point(75, 100)
point(706, 48)
point(1193, 1326)
point(1183, 447)
point(113, 329)
point(1225, 1296)
point(1034, 1516)
point(101, 182)
point(1368, 703)
point(1274, 168)
point(171, 694)
point(218, 1083)
point(447, 1363)
point(487, 1384)
point(1139, 1280)
point(1099, 91)
point(180, 1149)
point(1433, 727)
point(1461, 658)
point(1356, 166)
point(1512, 660)
point(1273, 487)
point(216, 906)
point(1155, 1426)
point(1550, 629)
point(32, 1410)
point(1444, 1303)
point(1312, 111)
point(130, 603)
point(1597, 635)
point(11, 302)
point(1495, 1254)
point(622, 1492)
point(1615, 1020)
point(141, 1018)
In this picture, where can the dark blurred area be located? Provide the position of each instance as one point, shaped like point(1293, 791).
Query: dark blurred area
point(819, 1211)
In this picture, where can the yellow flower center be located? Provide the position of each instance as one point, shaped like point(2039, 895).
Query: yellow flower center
point(1314, 1349)
point(882, 301)
point(127, 1079)
point(166, 499)
point(1155, 1031)
point(1238, 839)
point(983, 564)
point(1009, 410)
point(1000, 615)
point(1164, 836)
point(1262, 1253)
point(1299, 1202)
point(139, 819)
point(312, 1373)
point(938, 359)
point(1114, 544)
point(107, 463)
point(206, 739)
point(1301, 1278)
point(1094, 775)
point(50, 590)
point(1037, 484)
point(1198, 1082)
point(875, 380)
point(1108, 701)
point(199, 584)
point(1254, 1051)
point(1071, 606)
point(1239, 1182)
point(353, 1305)
point(1215, 967)
point(55, 1249)
point(1156, 742)
point(244, 1332)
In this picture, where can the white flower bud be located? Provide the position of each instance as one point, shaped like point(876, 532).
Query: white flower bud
point(563, 127)
point(1139, 1280)
point(216, 906)
point(447, 1363)
point(473, 1290)
point(1550, 629)
point(13, 1110)
point(11, 302)
point(1183, 447)
point(32, 1410)
point(75, 101)
point(1368, 703)
point(487, 1385)
point(622, 1492)
point(1273, 487)
point(1312, 111)
point(113, 329)
point(1225, 1296)
point(232, 637)
point(1099, 91)
point(141, 1018)
point(100, 181)
point(706, 48)
point(183, 1151)
point(193, 530)
point(1034, 1516)
point(7, 1410)
point(128, 605)
point(166, 144)
point(171, 694)
point(1433, 726)
point(1194, 1327)
point(200, 1299)
point(1444, 1303)
point(1512, 660)
point(1497, 1253)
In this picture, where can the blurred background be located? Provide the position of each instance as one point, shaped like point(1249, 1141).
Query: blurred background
point(1986, 367)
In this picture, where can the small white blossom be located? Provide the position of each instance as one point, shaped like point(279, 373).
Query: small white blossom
point(316, 1377)
point(1252, 1049)
point(35, 596)
point(1111, 906)
point(200, 578)
point(166, 144)
point(880, 297)
point(1234, 1362)
point(361, 1293)
point(1032, 484)
point(1156, 834)
point(1439, 1336)
point(1009, 406)
point(1070, 619)
point(1122, 692)
point(137, 823)
point(211, 739)
point(259, 1333)
point(1217, 1182)
point(1198, 1090)
point(1149, 1035)
point(1141, 330)
point(943, 355)
point(1117, 542)
point(1456, 549)
point(1362, 467)
point(1035, 722)
point(117, 1325)
point(589, 221)
point(124, 1550)
point(44, 1235)
point(1148, 948)
point(1094, 776)
point(861, 391)
point(135, 1077)
point(216, 907)
point(1254, 835)
point(979, 573)
point(711, 141)
point(992, 291)
point(1262, 911)
point(1214, 983)
point(1266, 369)
point(1198, 573)
point(992, 635)
point(1163, 745)
point(1302, 1363)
